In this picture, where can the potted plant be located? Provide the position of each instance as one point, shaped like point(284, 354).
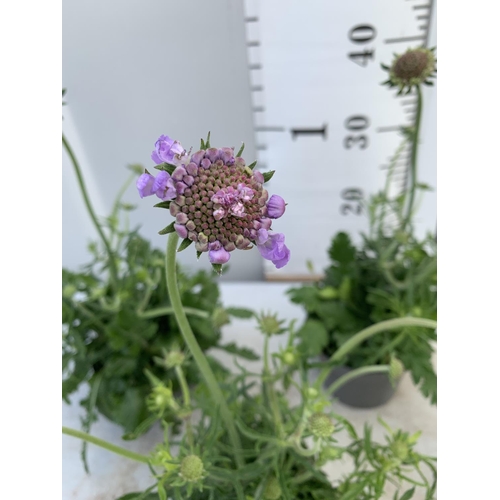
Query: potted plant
point(391, 274)
point(248, 441)
point(118, 321)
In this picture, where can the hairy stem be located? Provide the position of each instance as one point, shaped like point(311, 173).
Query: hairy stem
point(412, 187)
point(196, 352)
point(81, 183)
point(270, 392)
point(104, 444)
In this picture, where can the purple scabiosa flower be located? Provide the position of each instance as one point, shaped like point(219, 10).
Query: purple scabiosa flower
point(218, 202)
point(166, 149)
point(275, 206)
point(272, 247)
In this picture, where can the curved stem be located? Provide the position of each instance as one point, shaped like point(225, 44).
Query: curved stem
point(163, 311)
point(355, 374)
point(90, 210)
point(197, 353)
point(355, 340)
point(104, 444)
point(418, 117)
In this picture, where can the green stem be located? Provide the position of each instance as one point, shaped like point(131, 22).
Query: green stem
point(271, 394)
point(355, 340)
point(187, 402)
point(90, 210)
point(387, 348)
point(163, 311)
point(197, 353)
point(413, 184)
point(355, 374)
point(104, 444)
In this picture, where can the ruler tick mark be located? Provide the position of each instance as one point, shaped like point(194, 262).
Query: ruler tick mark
point(257, 88)
point(405, 39)
point(252, 19)
point(417, 7)
point(266, 128)
point(255, 66)
point(253, 43)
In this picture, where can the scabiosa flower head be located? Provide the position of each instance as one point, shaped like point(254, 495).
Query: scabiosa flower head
point(411, 69)
point(218, 202)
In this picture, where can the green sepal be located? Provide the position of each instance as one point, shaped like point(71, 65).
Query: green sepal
point(163, 204)
point(198, 254)
point(168, 229)
point(217, 268)
point(268, 175)
point(184, 244)
point(384, 66)
point(205, 144)
point(167, 167)
point(252, 165)
point(240, 152)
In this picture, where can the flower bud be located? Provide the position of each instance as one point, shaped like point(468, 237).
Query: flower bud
point(321, 425)
point(270, 325)
point(174, 358)
point(396, 369)
point(192, 469)
point(289, 358)
point(272, 490)
point(400, 449)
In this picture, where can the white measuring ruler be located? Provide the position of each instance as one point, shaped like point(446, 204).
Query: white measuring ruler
point(322, 119)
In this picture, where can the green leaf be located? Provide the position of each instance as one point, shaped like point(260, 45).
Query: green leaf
point(314, 337)
point(243, 352)
point(341, 249)
point(184, 244)
point(252, 165)
point(163, 204)
point(240, 151)
point(217, 268)
point(268, 175)
point(240, 312)
point(207, 142)
point(161, 492)
point(143, 427)
point(168, 229)
point(167, 167)
point(408, 494)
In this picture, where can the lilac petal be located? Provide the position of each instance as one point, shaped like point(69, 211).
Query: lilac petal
point(180, 187)
point(164, 186)
point(219, 213)
point(258, 177)
point(275, 250)
point(275, 206)
point(192, 169)
point(227, 155)
point(246, 193)
point(262, 236)
point(237, 209)
point(197, 157)
point(212, 154)
point(217, 253)
point(156, 158)
point(181, 230)
point(205, 163)
point(179, 173)
point(188, 179)
point(145, 185)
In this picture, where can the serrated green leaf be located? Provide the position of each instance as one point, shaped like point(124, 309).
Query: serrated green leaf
point(184, 244)
point(240, 312)
point(168, 229)
point(242, 352)
point(268, 175)
point(342, 250)
point(163, 204)
point(314, 337)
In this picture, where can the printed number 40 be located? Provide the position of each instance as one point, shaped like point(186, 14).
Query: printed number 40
point(363, 33)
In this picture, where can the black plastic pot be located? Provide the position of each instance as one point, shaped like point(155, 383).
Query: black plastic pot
point(366, 391)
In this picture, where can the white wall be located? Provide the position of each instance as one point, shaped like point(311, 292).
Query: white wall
point(137, 69)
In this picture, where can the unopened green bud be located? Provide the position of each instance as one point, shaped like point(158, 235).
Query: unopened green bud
point(272, 490)
point(270, 325)
point(328, 293)
point(321, 425)
point(289, 357)
point(174, 358)
point(142, 274)
point(396, 368)
point(400, 450)
point(192, 468)
point(417, 312)
point(161, 398)
point(312, 393)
